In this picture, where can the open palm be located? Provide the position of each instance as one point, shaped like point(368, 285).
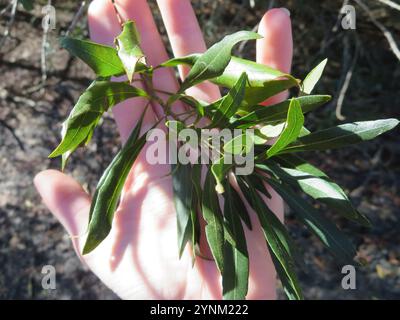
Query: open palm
point(139, 258)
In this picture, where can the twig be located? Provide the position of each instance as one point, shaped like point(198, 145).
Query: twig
point(76, 17)
point(384, 30)
point(391, 4)
point(243, 43)
point(10, 22)
point(120, 20)
point(43, 64)
point(5, 125)
point(6, 8)
point(347, 79)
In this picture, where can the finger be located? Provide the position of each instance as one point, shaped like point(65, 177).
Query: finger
point(185, 36)
point(66, 200)
point(275, 49)
point(104, 27)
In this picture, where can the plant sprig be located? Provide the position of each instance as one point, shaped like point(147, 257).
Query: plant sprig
point(276, 161)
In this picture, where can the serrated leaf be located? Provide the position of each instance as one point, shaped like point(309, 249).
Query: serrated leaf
point(128, 48)
point(229, 104)
point(213, 216)
point(102, 59)
point(313, 77)
point(236, 259)
point(325, 230)
point(213, 62)
point(109, 188)
point(182, 191)
point(294, 123)
point(278, 112)
point(279, 242)
point(342, 135)
point(98, 98)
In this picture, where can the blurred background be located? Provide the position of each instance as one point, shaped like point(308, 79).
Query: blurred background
point(39, 84)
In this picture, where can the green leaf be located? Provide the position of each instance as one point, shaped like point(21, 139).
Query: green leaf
point(313, 77)
point(342, 135)
point(259, 75)
point(325, 230)
point(323, 190)
point(213, 62)
point(182, 190)
point(236, 258)
point(255, 95)
point(229, 104)
point(294, 123)
point(242, 143)
point(279, 242)
point(128, 48)
point(278, 112)
point(240, 208)
point(109, 188)
point(187, 60)
point(295, 162)
point(196, 203)
point(102, 59)
point(27, 4)
point(98, 98)
point(213, 217)
point(219, 169)
point(287, 286)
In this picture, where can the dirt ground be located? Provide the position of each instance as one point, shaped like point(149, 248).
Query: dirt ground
point(31, 116)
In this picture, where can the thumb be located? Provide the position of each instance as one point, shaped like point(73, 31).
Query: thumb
point(66, 200)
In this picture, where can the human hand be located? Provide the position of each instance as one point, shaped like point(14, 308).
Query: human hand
point(139, 258)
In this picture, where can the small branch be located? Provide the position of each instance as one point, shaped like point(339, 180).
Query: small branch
point(347, 80)
point(384, 30)
point(10, 22)
point(5, 125)
point(120, 20)
point(391, 4)
point(7, 7)
point(76, 17)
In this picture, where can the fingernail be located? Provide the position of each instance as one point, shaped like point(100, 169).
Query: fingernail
point(286, 11)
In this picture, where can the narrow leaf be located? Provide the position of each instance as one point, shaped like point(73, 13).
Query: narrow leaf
point(98, 98)
point(128, 48)
point(213, 62)
point(294, 123)
point(109, 188)
point(342, 135)
point(213, 216)
point(236, 259)
point(323, 190)
point(102, 59)
point(325, 230)
point(182, 190)
point(278, 112)
point(278, 240)
point(230, 103)
point(313, 77)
